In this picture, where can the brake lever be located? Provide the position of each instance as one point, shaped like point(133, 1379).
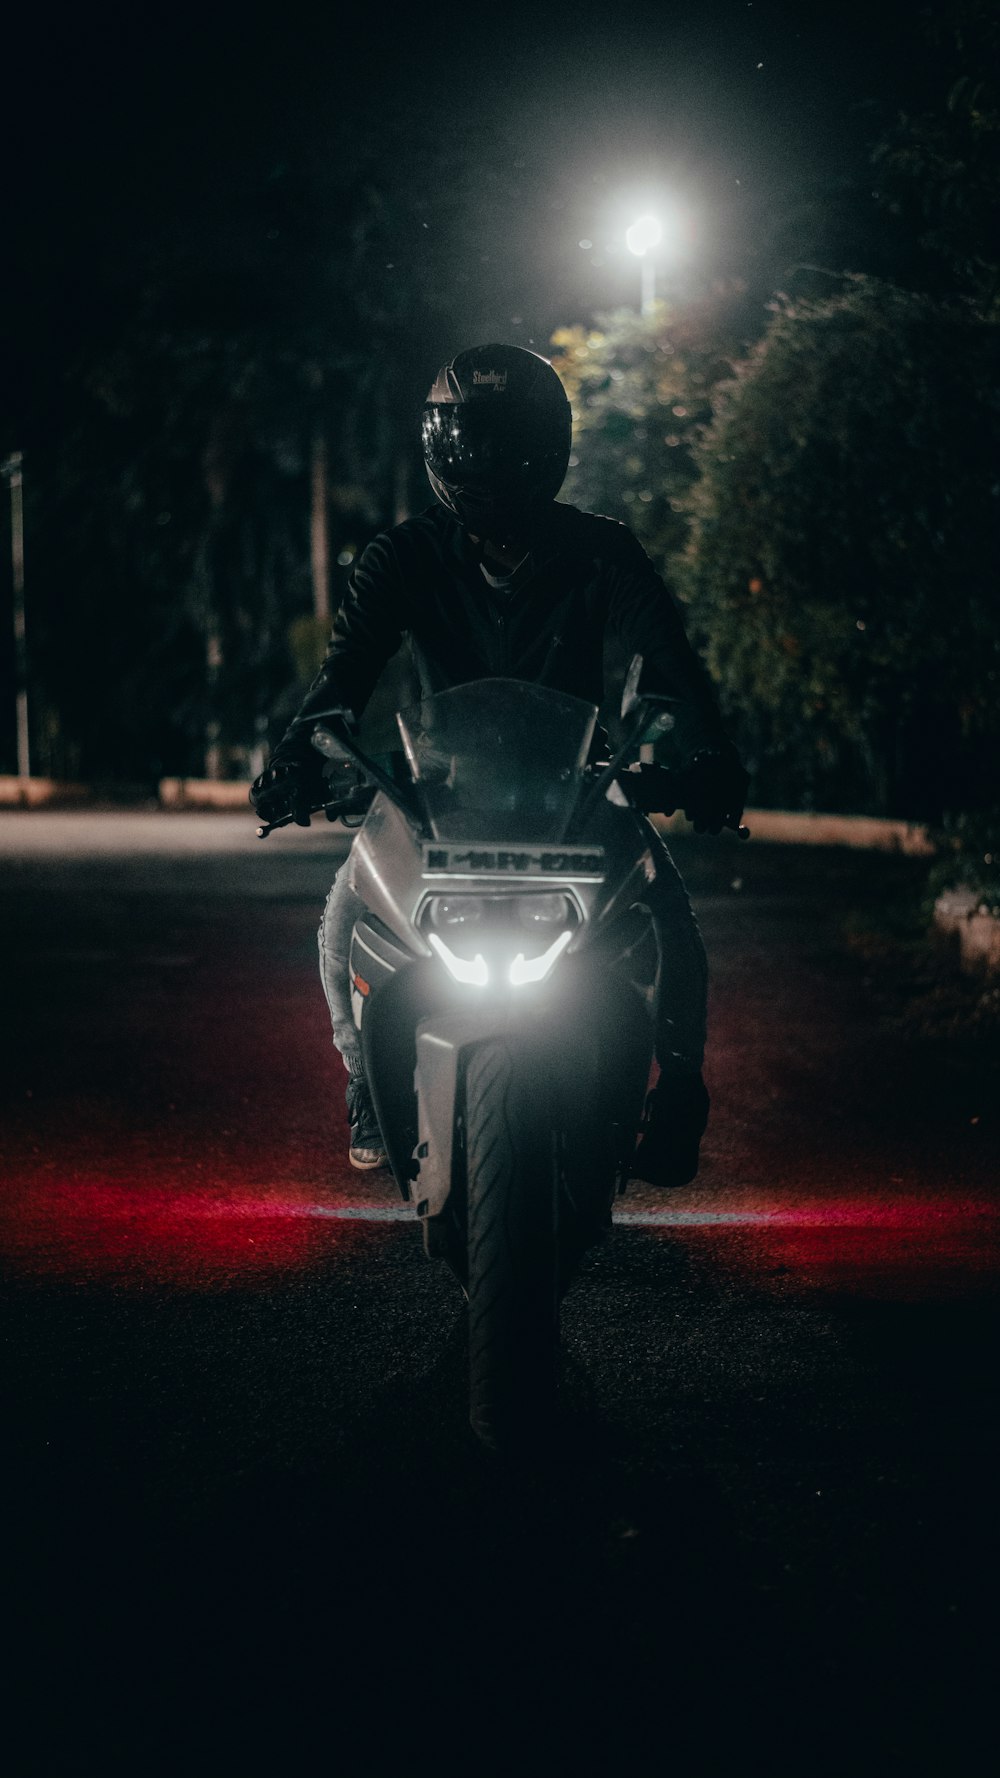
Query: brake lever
point(286, 821)
point(332, 810)
point(272, 826)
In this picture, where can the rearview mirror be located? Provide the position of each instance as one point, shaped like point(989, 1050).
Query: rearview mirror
point(651, 712)
point(630, 690)
point(330, 745)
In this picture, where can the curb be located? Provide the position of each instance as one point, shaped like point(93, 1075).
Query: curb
point(204, 793)
point(787, 827)
point(34, 793)
point(780, 826)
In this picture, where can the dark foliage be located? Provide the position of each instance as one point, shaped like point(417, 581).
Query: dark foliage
point(841, 567)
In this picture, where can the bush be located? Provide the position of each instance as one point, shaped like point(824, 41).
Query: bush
point(840, 568)
point(969, 857)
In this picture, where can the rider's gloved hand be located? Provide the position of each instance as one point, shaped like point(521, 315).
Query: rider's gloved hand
point(284, 789)
point(651, 788)
point(715, 788)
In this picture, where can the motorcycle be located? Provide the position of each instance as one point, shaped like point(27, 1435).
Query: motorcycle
point(503, 981)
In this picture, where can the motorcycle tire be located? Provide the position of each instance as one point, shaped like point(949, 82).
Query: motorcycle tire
point(513, 1245)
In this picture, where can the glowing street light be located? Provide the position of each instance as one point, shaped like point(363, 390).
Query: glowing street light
point(645, 233)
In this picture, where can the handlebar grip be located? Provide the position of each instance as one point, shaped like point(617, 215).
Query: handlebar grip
point(270, 826)
point(285, 821)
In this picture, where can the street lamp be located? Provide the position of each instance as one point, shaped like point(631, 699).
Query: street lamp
point(13, 472)
point(645, 233)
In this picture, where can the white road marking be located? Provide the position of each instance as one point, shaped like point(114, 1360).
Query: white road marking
point(875, 1214)
point(627, 1218)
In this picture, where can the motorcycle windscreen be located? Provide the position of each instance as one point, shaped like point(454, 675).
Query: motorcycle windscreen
point(499, 759)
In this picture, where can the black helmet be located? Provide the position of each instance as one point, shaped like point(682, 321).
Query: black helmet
point(496, 431)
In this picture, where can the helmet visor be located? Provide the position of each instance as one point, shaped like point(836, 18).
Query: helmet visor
point(474, 443)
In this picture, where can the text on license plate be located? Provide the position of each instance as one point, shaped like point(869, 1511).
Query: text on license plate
point(529, 861)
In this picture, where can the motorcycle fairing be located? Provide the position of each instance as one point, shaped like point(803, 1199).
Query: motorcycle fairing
point(591, 1028)
point(389, 872)
point(375, 956)
point(384, 870)
point(500, 770)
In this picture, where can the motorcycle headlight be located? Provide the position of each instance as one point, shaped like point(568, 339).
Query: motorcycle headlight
point(472, 970)
point(474, 935)
point(445, 912)
point(535, 969)
point(539, 912)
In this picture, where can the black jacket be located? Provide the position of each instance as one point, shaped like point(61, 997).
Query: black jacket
point(591, 578)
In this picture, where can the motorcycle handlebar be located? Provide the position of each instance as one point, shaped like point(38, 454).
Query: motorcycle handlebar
point(333, 811)
point(667, 799)
point(267, 827)
point(656, 790)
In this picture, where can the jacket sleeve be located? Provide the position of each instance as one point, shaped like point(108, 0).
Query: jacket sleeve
point(646, 620)
point(367, 631)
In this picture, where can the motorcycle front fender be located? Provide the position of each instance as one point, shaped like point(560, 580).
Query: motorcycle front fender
point(592, 1037)
point(597, 1069)
point(441, 1045)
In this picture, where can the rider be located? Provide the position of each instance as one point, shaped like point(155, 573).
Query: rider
point(497, 579)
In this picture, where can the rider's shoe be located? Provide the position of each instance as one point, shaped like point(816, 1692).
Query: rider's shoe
point(672, 1129)
point(367, 1149)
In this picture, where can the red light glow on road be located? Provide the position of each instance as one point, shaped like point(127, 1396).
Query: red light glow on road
point(205, 1236)
point(906, 1250)
point(193, 1240)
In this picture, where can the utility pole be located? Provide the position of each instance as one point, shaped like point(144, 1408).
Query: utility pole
point(644, 235)
point(13, 469)
point(320, 530)
point(648, 287)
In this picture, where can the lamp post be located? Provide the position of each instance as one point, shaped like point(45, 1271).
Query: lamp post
point(645, 233)
point(13, 470)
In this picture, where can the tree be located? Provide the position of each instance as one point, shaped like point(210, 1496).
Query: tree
point(277, 320)
point(939, 168)
point(168, 526)
point(640, 388)
point(841, 563)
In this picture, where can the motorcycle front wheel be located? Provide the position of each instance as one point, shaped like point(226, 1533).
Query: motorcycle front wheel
point(514, 1239)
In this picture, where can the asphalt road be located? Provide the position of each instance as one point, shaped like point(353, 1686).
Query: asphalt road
point(247, 1528)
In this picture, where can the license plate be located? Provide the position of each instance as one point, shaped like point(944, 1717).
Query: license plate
point(583, 864)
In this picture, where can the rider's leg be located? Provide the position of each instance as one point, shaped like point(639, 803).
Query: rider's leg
point(682, 1008)
point(341, 911)
point(677, 1108)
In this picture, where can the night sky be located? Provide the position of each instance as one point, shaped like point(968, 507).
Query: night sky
point(138, 134)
